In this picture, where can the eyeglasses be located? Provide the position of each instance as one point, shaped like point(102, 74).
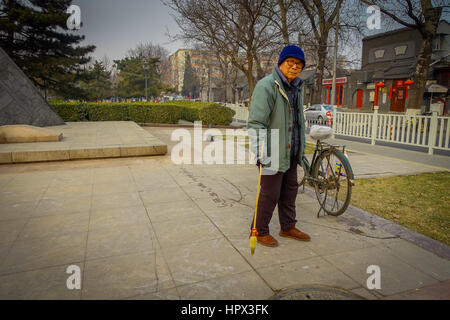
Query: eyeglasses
point(291, 63)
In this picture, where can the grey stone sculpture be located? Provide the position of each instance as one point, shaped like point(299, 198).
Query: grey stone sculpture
point(20, 100)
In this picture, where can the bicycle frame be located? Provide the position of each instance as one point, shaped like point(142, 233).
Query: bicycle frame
point(319, 148)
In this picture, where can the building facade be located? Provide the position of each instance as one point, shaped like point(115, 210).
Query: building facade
point(211, 73)
point(391, 58)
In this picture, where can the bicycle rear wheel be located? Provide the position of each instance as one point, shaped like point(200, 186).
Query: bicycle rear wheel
point(334, 180)
point(302, 173)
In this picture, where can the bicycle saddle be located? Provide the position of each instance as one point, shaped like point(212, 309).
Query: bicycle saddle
point(320, 132)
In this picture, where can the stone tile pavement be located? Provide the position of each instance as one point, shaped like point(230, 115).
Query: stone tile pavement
point(87, 140)
point(143, 228)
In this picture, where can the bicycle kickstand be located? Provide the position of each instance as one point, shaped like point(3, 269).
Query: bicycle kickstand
point(318, 213)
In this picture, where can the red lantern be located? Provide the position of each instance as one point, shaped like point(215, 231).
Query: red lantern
point(408, 83)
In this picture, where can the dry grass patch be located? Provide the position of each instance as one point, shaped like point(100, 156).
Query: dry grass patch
point(418, 202)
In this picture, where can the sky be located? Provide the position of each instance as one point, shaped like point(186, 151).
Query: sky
point(115, 26)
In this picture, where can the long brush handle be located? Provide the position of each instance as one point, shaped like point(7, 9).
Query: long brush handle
point(259, 184)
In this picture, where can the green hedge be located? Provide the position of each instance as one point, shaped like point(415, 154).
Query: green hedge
point(216, 114)
point(71, 111)
point(143, 112)
point(108, 112)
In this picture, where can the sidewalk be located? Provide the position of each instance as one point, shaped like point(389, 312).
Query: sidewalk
point(438, 162)
point(144, 228)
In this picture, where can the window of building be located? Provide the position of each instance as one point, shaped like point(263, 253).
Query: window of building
point(379, 54)
point(400, 50)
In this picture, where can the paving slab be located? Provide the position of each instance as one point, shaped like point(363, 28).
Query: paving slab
point(189, 230)
point(144, 228)
point(419, 258)
point(438, 291)
point(27, 255)
point(204, 260)
point(396, 276)
point(123, 276)
point(42, 284)
point(54, 225)
point(302, 272)
point(242, 286)
point(87, 140)
point(107, 242)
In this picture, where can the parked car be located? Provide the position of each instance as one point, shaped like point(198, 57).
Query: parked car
point(319, 113)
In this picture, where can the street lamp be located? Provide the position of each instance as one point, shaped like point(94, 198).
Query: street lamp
point(146, 81)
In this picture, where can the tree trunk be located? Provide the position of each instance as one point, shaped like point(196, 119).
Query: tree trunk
point(322, 55)
point(428, 31)
point(259, 70)
point(251, 86)
point(234, 87)
point(249, 75)
point(284, 27)
point(421, 74)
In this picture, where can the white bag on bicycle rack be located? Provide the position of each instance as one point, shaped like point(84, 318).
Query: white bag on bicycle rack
point(320, 132)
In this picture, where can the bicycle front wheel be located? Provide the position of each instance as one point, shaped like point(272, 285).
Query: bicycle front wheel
point(333, 181)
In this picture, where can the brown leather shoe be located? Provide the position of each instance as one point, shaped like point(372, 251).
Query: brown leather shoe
point(296, 234)
point(267, 241)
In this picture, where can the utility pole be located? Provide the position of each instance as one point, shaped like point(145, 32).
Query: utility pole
point(333, 93)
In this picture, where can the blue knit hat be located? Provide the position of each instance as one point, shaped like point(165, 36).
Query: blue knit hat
point(292, 51)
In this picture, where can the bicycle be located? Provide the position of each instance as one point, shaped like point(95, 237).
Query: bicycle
point(331, 176)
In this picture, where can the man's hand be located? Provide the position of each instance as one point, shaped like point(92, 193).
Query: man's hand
point(258, 163)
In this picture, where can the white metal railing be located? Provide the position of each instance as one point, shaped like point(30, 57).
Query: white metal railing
point(241, 112)
point(432, 132)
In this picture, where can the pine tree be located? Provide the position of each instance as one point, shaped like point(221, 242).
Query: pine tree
point(132, 77)
point(97, 85)
point(34, 34)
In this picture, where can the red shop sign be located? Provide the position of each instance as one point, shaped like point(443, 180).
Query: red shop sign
point(400, 83)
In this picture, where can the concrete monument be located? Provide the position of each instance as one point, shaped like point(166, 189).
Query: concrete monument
point(20, 100)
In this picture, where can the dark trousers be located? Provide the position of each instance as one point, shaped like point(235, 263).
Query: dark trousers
point(280, 189)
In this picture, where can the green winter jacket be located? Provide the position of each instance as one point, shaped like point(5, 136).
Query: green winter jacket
point(270, 110)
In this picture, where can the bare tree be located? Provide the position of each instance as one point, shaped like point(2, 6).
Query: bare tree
point(239, 29)
point(423, 16)
point(148, 50)
point(321, 15)
point(283, 17)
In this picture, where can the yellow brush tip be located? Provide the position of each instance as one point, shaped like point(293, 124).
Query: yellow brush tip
point(253, 244)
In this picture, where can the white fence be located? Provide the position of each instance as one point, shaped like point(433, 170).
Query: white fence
point(432, 132)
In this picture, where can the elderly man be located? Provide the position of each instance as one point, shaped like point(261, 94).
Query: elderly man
point(277, 104)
